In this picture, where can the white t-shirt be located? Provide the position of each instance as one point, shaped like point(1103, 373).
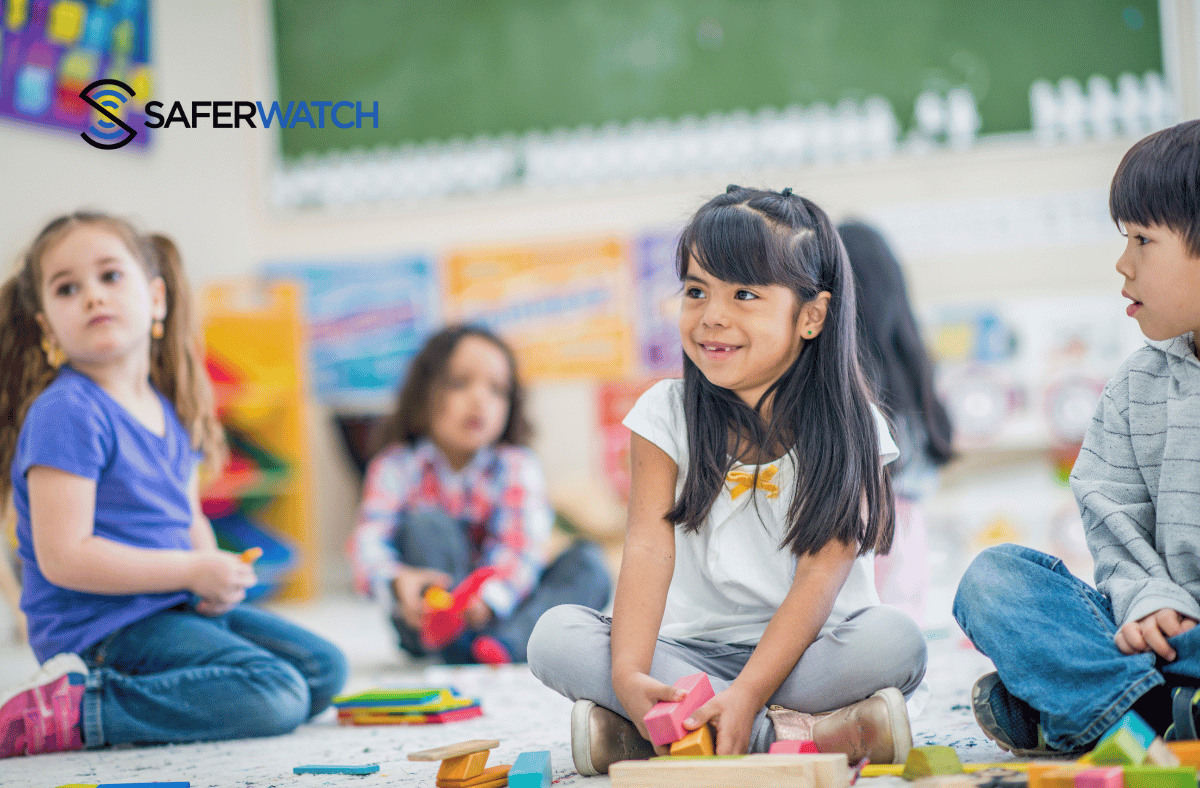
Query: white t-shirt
point(731, 576)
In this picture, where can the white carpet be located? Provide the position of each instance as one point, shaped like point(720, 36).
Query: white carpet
point(518, 711)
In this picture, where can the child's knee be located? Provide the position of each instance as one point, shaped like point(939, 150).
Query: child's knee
point(987, 580)
point(283, 700)
point(552, 646)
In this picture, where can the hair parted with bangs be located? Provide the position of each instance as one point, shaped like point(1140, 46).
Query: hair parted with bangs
point(176, 361)
point(426, 380)
point(820, 407)
point(1158, 183)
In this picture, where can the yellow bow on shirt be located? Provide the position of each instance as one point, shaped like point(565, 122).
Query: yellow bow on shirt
point(743, 480)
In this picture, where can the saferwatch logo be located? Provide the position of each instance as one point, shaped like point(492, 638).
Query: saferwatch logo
point(108, 131)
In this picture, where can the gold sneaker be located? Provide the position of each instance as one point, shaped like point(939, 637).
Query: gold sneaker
point(875, 728)
point(600, 738)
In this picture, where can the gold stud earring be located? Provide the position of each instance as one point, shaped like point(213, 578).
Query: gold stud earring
point(55, 356)
point(156, 330)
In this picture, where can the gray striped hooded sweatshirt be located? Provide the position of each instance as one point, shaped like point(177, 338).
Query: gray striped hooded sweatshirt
point(1137, 481)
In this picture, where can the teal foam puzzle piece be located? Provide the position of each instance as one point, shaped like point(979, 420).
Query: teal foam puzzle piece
point(530, 770)
point(366, 768)
point(1133, 723)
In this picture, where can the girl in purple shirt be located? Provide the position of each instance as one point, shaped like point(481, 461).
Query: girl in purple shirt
point(133, 610)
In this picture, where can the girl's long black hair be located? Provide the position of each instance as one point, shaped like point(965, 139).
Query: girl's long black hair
point(820, 407)
point(894, 357)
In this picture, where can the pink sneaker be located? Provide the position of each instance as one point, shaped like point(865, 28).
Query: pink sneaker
point(43, 714)
point(489, 651)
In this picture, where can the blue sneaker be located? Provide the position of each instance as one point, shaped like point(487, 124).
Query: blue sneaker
point(1184, 703)
point(1009, 721)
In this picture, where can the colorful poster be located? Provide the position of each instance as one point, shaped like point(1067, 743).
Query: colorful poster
point(365, 322)
point(52, 50)
point(564, 307)
point(658, 293)
point(615, 401)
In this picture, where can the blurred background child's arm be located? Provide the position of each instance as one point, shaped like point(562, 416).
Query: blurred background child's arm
point(70, 555)
point(516, 533)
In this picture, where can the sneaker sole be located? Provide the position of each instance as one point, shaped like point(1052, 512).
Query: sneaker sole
point(901, 730)
point(987, 723)
point(581, 745)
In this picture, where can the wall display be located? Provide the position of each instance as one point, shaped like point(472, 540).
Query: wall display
point(564, 307)
point(52, 50)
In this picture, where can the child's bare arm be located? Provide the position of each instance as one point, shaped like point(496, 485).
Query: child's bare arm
point(646, 567)
point(62, 508)
point(789, 633)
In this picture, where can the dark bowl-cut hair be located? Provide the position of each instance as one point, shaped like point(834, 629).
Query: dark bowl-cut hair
point(409, 420)
point(1158, 183)
point(820, 410)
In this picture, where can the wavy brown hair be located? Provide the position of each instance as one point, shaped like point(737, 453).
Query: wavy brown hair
point(176, 361)
point(409, 420)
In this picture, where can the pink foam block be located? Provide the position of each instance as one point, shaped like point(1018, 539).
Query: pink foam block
point(664, 722)
point(793, 746)
point(1109, 777)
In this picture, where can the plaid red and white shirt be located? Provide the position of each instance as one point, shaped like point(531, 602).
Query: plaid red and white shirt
point(500, 496)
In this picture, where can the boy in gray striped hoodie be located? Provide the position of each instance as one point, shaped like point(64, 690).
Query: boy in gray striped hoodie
point(1071, 659)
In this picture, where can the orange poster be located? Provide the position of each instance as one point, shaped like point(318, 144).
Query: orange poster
point(564, 307)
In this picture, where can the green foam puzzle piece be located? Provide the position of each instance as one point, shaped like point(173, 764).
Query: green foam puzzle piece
point(1160, 777)
point(930, 761)
point(1120, 748)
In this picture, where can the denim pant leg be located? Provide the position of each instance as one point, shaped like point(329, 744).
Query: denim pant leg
point(570, 652)
point(577, 577)
point(432, 539)
point(846, 664)
point(321, 663)
point(177, 676)
point(1050, 636)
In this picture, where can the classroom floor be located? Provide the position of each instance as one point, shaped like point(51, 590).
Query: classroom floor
point(518, 711)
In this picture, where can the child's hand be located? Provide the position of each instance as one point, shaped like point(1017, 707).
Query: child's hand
point(638, 693)
point(732, 715)
point(219, 577)
point(478, 615)
point(410, 584)
point(1151, 633)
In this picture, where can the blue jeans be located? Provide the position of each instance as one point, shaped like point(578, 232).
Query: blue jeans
point(434, 540)
point(178, 676)
point(1050, 636)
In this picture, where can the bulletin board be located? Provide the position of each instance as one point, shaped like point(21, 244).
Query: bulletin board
point(51, 50)
point(490, 67)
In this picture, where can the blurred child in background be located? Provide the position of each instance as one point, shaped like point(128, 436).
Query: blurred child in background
point(901, 374)
point(453, 488)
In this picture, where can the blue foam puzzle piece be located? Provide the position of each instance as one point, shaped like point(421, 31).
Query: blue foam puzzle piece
point(366, 768)
point(1133, 723)
point(530, 770)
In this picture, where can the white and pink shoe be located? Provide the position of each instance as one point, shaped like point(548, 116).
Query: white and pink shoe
point(43, 714)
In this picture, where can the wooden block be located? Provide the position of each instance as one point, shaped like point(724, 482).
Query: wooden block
point(930, 761)
point(827, 770)
point(1062, 777)
point(664, 722)
point(463, 767)
point(531, 770)
point(1159, 754)
point(454, 750)
point(1039, 769)
point(1106, 777)
point(1120, 747)
point(366, 768)
point(487, 776)
point(1159, 777)
point(1188, 752)
point(882, 770)
point(793, 747)
point(1133, 722)
point(697, 742)
point(499, 782)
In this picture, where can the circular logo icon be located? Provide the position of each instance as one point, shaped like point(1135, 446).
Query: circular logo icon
point(108, 131)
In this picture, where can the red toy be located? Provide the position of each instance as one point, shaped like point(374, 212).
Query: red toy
point(664, 722)
point(444, 620)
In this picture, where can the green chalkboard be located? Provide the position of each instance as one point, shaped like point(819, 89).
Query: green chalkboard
point(461, 68)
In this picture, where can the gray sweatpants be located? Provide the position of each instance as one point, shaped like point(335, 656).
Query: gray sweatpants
point(876, 647)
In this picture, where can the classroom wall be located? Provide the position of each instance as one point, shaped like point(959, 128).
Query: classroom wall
point(208, 189)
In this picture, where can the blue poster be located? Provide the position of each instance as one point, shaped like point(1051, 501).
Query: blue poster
point(365, 322)
point(657, 292)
